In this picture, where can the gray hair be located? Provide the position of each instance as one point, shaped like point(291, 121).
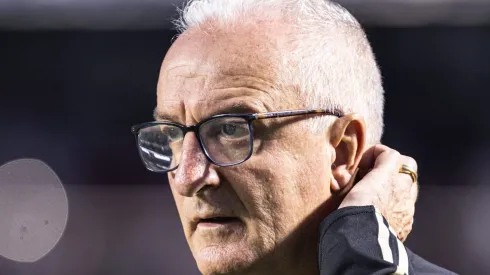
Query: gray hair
point(337, 68)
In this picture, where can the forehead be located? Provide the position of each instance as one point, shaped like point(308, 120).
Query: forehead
point(202, 68)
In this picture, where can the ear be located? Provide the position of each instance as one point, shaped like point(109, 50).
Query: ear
point(347, 136)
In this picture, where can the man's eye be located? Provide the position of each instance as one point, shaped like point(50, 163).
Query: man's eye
point(172, 133)
point(233, 130)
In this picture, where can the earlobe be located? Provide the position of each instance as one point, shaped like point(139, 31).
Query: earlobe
point(341, 183)
point(340, 179)
point(347, 138)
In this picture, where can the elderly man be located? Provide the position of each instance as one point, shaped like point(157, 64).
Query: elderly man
point(266, 111)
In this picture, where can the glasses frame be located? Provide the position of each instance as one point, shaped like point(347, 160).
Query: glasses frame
point(248, 117)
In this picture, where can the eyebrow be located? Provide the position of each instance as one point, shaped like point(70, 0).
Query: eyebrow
point(240, 107)
point(235, 108)
point(162, 116)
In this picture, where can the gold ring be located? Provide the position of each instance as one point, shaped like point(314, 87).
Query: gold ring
point(405, 169)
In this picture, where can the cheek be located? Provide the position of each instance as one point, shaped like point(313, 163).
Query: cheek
point(268, 187)
point(295, 181)
point(251, 183)
point(314, 175)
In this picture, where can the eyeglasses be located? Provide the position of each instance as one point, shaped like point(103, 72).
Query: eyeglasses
point(225, 139)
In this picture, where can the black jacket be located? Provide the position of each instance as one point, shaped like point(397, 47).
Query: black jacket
point(358, 241)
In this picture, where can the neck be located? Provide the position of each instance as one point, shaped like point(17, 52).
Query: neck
point(302, 262)
point(296, 255)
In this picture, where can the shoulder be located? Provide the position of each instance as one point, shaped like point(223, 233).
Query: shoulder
point(421, 266)
point(358, 240)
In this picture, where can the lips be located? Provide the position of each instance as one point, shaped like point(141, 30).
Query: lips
point(217, 221)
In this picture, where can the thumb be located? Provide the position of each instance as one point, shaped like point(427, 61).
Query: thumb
point(378, 164)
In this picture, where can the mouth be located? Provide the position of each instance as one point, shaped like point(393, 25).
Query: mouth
point(218, 222)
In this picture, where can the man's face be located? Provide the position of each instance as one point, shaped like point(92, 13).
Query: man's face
point(266, 200)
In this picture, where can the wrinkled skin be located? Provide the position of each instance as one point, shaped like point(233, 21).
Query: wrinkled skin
point(281, 194)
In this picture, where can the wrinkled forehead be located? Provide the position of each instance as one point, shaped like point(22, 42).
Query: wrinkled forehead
point(199, 66)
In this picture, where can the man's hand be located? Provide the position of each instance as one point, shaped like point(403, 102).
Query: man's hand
point(382, 185)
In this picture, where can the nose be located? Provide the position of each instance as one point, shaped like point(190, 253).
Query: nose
point(195, 172)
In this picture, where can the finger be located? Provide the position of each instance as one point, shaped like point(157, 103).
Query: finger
point(405, 179)
point(409, 161)
point(369, 157)
point(414, 189)
point(414, 192)
point(385, 165)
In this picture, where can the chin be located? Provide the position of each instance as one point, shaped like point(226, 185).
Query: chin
point(233, 258)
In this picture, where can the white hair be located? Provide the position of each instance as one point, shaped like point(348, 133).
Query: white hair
point(337, 68)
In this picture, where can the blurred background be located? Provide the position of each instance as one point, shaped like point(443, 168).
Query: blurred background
point(76, 75)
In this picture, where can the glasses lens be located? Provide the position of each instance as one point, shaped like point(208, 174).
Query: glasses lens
point(160, 147)
point(227, 140)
